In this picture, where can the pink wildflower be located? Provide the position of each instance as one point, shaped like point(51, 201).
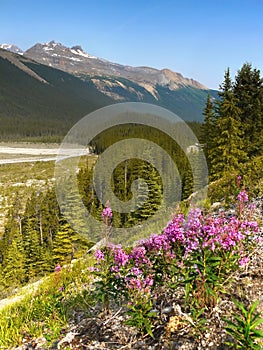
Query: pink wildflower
point(242, 196)
point(243, 262)
point(99, 255)
point(106, 212)
point(239, 178)
point(58, 268)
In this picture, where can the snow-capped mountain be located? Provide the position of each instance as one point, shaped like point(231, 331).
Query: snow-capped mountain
point(11, 48)
point(70, 83)
point(75, 60)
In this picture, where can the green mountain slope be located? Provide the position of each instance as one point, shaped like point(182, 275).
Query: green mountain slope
point(30, 107)
point(38, 101)
point(186, 101)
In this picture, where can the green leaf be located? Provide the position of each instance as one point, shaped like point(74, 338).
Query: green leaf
point(202, 321)
point(240, 321)
point(255, 317)
point(253, 307)
point(214, 258)
point(149, 330)
point(257, 322)
point(241, 307)
point(258, 333)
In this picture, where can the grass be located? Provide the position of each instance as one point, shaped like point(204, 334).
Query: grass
point(12, 173)
point(46, 311)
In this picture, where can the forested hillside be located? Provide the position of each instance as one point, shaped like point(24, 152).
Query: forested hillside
point(31, 108)
point(233, 126)
point(42, 103)
point(197, 261)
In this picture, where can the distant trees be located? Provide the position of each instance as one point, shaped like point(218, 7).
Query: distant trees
point(232, 129)
point(35, 240)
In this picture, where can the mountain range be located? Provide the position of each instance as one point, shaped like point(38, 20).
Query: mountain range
point(50, 83)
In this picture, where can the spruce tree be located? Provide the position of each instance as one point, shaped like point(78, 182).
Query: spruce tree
point(31, 242)
point(68, 244)
point(228, 150)
point(14, 266)
point(248, 90)
point(208, 129)
point(62, 245)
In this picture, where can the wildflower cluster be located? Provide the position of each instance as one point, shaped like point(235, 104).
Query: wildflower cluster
point(196, 252)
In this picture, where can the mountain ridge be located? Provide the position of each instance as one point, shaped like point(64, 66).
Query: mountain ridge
point(75, 60)
point(38, 100)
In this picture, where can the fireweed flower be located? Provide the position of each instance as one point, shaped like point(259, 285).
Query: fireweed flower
point(106, 212)
point(115, 269)
point(134, 283)
point(242, 196)
point(136, 271)
point(139, 284)
point(194, 219)
point(243, 261)
point(99, 255)
point(138, 254)
point(190, 235)
point(57, 268)
point(157, 242)
point(174, 230)
point(239, 178)
point(120, 257)
point(149, 281)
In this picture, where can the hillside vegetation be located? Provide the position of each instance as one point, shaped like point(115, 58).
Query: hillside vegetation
point(43, 109)
point(196, 281)
point(42, 103)
point(182, 286)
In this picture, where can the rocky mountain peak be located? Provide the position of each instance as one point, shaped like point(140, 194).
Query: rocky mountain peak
point(53, 43)
point(12, 48)
point(77, 48)
point(75, 60)
point(177, 79)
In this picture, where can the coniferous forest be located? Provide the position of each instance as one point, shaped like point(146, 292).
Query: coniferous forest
point(169, 281)
point(37, 237)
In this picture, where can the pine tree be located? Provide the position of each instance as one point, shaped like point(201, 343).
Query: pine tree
point(226, 88)
point(248, 90)
point(14, 222)
point(49, 215)
point(187, 182)
point(14, 266)
point(208, 129)
point(31, 241)
point(228, 152)
point(68, 244)
point(149, 192)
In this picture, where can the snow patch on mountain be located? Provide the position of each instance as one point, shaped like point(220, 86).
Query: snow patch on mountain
point(75, 60)
point(11, 48)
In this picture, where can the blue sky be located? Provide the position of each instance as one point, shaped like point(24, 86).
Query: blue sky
point(197, 38)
